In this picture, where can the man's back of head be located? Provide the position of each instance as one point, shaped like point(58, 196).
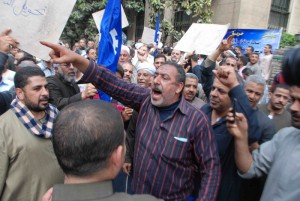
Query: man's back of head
point(85, 138)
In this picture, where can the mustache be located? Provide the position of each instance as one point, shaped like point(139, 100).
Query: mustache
point(44, 98)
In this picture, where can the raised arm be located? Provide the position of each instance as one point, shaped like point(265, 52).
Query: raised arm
point(238, 127)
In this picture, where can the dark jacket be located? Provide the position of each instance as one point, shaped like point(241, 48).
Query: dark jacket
point(62, 93)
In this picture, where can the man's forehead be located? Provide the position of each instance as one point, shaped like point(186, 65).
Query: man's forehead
point(219, 85)
point(279, 90)
point(37, 80)
point(124, 52)
point(127, 66)
point(254, 86)
point(190, 80)
point(295, 92)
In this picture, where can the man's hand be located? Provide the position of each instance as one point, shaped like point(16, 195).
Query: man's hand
point(237, 126)
point(226, 44)
point(48, 195)
point(61, 54)
point(89, 91)
point(227, 76)
point(7, 42)
point(127, 168)
point(126, 114)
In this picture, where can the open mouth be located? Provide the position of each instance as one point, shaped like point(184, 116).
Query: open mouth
point(156, 93)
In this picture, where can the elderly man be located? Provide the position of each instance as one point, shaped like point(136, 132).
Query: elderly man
point(145, 73)
point(172, 135)
point(28, 165)
point(98, 156)
point(63, 89)
point(254, 88)
point(279, 157)
point(128, 72)
point(124, 55)
point(190, 90)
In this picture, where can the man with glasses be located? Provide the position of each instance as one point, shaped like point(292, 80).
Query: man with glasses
point(63, 89)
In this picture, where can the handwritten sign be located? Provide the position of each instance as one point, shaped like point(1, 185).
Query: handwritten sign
point(99, 15)
point(203, 38)
point(34, 20)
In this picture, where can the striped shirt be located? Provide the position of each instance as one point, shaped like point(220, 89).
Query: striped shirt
point(167, 153)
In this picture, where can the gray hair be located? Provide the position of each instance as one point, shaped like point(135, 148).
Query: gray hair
point(191, 75)
point(257, 79)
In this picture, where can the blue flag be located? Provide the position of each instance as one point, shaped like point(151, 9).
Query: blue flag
point(156, 31)
point(110, 38)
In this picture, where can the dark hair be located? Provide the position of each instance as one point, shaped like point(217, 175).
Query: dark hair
point(291, 67)
point(22, 75)
point(85, 136)
point(195, 58)
point(256, 53)
point(239, 47)
point(244, 59)
point(89, 49)
point(252, 48)
point(26, 57)
point(160, 56)
point(282, 86)
point(167, 51)
point(180, 71)
point(269, 45)
point(120, 70)
point(247, 71)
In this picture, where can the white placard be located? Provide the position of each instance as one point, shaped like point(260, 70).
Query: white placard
point(34, 20)
point(99, 15)
point(148, 35)
point(203, 38)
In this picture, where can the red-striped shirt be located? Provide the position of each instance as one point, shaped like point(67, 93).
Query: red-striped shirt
point(167, 153)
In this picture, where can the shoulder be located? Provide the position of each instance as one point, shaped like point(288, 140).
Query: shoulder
point(287, 134)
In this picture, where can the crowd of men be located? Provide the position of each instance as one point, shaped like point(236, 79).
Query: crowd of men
point(179, 126)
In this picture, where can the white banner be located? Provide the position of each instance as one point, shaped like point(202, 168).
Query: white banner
point(34, 20)
point(203, 38)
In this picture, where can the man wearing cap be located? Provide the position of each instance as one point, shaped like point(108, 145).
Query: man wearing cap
point(124, 55)
point(145, 72)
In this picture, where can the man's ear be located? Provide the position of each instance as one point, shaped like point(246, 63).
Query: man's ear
point(20, 94)
point(179, 87)
point(270, 95)
point(117, 158)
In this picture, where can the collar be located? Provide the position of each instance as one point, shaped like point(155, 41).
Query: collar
point(27, 119)
point(82, 192)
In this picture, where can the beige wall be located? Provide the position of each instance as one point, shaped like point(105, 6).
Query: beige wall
point(293, 26)
point(242, 13)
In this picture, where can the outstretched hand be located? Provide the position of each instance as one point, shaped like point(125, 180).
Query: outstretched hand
point(61, 54)
point(226, 44)
point(237, 124)
point(7, 42)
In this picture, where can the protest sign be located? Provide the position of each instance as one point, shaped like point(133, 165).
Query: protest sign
point(99, 15)
point(148, 35)
point(257, 38)
point(34, 20)
point(202, 38)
